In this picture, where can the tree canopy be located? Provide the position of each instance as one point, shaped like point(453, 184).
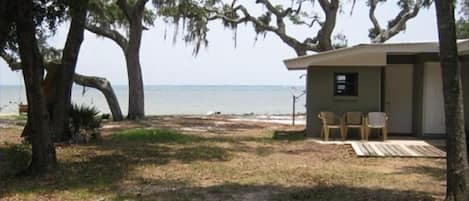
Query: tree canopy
point(318, 16)
point(462, 25)
point(408, 9)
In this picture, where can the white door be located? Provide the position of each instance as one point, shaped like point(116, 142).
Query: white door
point(433, 103)
point(398, 97)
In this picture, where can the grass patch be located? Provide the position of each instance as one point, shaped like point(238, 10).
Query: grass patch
point(155, 136)
point(289, 135)
point(339, 193)
point(204, 153)
point(245, 164)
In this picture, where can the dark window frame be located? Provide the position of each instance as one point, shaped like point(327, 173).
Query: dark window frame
point(351, 86)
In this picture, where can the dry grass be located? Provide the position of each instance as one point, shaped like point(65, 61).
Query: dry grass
point(180, 158)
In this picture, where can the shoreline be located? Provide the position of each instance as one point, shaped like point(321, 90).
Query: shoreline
point(15, 120)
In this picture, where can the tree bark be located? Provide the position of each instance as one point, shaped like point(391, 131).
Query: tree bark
point(395, 25)
point(64, 81)
point(43, 150)
point(131, 48)
point(134, 15)
point(5, 21)
point(99, 83)
point(457, 172)
point(134, 72)
point(105, 87)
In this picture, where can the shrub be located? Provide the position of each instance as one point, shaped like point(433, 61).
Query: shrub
point(85, 117)
point(85, 120)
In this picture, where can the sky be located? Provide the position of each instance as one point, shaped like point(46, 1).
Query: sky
point(251, 62)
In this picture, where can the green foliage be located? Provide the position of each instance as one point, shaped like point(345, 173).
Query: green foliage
point(462, 28)
point(48, 15)
point(85, 117)
point(266, 18)
point(154, 136)
point(107, 14)
point(462, 25)
point(194, 18)
point(17, 158)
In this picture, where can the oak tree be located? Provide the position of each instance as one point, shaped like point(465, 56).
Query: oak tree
point(457, 169)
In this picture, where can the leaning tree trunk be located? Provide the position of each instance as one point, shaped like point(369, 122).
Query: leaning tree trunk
point(134, 70)
point(104, 86)
point(43, 150)
point(61, 114)
point(457, 170)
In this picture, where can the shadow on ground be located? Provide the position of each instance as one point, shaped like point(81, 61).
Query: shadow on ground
point(289, 135)
point(164, 190)
point(104, 168)
point(435, 172)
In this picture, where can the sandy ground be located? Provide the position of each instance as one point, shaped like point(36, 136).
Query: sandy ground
point(217, 158)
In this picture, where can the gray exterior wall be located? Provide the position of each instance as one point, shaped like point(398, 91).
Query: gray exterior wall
point(320, 93)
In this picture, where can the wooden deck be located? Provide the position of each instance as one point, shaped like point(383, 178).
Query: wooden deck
point(383, 149)
point(395, 147)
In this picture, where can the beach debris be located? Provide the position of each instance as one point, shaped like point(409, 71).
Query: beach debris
point(210, 113)
point(195, 129)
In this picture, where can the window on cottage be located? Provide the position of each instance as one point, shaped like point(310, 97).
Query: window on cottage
point(345, 84)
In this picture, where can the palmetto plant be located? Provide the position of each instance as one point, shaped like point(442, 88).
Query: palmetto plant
point(84, 117)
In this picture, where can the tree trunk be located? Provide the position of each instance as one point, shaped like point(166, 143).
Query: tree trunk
point(457, 172)
point(60, 114)
point(5, 21)
point(105, 87)
point(134, 71)
point(43, 150)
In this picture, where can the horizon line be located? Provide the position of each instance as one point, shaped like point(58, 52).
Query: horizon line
point(189, 85)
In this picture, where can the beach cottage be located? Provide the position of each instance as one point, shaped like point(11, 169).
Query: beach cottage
point(401, 79)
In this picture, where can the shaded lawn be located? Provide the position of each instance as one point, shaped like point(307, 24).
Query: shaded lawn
point(245, 164)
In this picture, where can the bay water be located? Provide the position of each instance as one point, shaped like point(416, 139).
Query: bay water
point(173, 99)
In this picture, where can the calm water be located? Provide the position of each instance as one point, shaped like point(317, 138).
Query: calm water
point(180, 99)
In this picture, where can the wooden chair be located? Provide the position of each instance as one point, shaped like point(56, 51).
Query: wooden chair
point(22, 108)
point(330, 120)
point(377, 120)
point(354, 120)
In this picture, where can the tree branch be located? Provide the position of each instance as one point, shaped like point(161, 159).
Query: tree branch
point(239, 14)
point(396, 25)
point(103, 85)
point(324, 5)
point(140, 5)
point(12, 62)
point(372, 16)
point(125, 7)
point(108, 33)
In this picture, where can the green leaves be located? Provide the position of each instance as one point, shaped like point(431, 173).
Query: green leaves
point(85, 117)
point(462, 28)
point(106, 13)
point(462, 25)
point(194, 18)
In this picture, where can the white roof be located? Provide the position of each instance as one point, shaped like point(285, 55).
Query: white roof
point(367, 54)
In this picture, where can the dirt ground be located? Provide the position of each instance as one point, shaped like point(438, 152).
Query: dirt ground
point(212, 158)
